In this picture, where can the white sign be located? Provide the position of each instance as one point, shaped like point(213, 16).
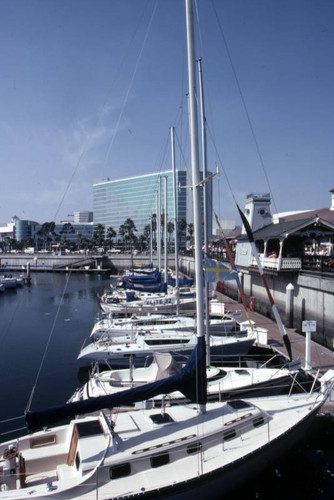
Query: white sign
point(309, 326)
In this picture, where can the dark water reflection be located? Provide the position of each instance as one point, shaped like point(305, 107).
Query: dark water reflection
point(54, 313)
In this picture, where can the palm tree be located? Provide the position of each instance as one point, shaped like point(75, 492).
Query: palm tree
point(111, 234)
point(129, 230)
point(182, 225)
point(46, 232)
point(170, 231)
point(99, 235)
point(121, 232)
point(67, 229)
point(191, 233)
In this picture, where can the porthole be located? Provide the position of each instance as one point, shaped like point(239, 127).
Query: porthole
point(258, 421)
point(120, 470)
point(159, 460)
point(229, 435)
point(194, 448)
point(77, 460)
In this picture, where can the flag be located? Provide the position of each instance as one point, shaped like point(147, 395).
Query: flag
point(217, 271)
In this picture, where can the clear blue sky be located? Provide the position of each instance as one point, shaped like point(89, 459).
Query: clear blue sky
point(89, 89)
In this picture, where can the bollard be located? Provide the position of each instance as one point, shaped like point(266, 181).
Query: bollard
point(241, 283)
point(28, 279)
point(289, 305)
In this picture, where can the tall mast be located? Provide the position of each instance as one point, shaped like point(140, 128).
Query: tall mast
point(151, 239)
point(193, 127)
point(165, 230)
point(176, 244)
point(158, 221)
point(205, 207)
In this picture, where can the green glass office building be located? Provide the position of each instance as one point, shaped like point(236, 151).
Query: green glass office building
point(136, 198)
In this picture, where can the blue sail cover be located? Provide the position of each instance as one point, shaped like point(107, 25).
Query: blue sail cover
point(153, 277)
point(184, 281)
point(190, 381)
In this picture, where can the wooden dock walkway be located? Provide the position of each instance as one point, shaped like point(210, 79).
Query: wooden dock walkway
point(322, 358)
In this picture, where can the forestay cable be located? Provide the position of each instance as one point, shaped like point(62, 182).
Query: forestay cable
point(47, 344)
point(244, 103)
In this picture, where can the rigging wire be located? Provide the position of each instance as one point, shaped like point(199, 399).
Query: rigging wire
point(48, 342)
point(131, 82)
point(257, 146)
point(99, 116)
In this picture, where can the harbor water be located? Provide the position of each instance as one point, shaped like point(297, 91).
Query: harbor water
point(43, 327)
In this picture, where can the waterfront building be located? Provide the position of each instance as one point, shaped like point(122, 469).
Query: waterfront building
point(83, 217)
point(114, 201)
point(8, 231)
point(73, 232)
point(288, 241)
point(21, 230)
point(25, 229)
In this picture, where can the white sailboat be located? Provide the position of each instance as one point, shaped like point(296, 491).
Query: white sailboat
point(176, 452)
point(140, 346)
point(223, 382)
point(126, 303)
point(111, 326)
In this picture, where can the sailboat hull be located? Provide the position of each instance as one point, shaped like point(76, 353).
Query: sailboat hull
point(120, 357)
point(191, 455)
point(215, 485)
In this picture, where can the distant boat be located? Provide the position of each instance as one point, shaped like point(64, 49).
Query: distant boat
point(110, 326)
point(134, 302)
point(8, 282)
point(141, 346)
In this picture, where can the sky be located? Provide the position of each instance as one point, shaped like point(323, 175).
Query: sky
point(90, 89)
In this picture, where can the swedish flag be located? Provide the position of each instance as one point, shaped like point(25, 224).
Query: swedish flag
point(217, 271)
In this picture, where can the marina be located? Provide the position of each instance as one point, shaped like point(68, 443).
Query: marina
point(202, 394)
point(74, 306)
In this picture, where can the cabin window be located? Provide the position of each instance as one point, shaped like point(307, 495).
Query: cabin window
point(166, 341)
point(77, 460)
point(258, 421)
point(161, 418)
point(90, 428)
point(238, 404)
point(194, 447)
point(227, 435)
point(43, 441)
point(159, 460)
point(120, 470)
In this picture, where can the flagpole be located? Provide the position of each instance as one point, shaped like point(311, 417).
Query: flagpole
point(271, 300)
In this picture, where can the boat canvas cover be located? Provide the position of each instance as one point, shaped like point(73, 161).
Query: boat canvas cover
point(154, 277)
point(190, 381)
point(184, 281)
